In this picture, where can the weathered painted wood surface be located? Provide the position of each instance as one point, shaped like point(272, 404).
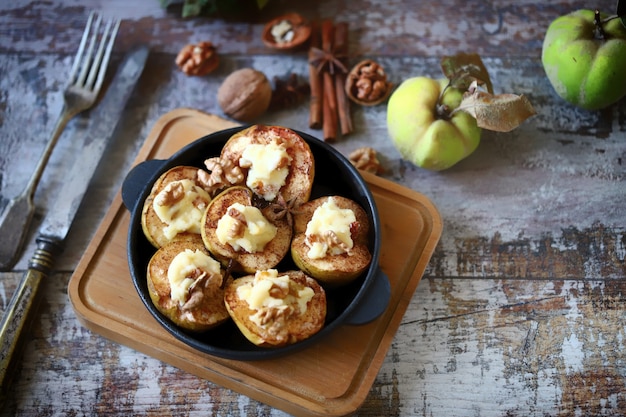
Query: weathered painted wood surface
point(522, 308)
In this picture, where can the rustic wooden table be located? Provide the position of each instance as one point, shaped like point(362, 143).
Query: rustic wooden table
point(521, 310)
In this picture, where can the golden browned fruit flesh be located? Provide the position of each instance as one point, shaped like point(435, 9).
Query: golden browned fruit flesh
point(155, 229)
point(332, 269)
point(299, 181)
point(283, 324)
point(246, 262)
point(204, 306)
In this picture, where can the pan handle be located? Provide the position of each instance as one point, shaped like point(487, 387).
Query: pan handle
point(374, 301)
point(137, 179)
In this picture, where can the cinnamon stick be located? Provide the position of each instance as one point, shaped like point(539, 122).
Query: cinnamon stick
point(329, 105)
point(315, 80)
point(343, 104)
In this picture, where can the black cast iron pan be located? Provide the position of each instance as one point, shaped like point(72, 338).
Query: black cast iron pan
point(354, 304)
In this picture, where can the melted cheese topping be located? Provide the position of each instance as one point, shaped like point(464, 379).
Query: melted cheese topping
point(328, 217)
point(184, 215)
point(265, 177)
point(257, 294)
point(182, 268)
point(257, 233)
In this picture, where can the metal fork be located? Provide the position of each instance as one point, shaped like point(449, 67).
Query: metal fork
point(85, 81)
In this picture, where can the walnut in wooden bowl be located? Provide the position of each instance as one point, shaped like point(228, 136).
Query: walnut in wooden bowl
point(286, 32)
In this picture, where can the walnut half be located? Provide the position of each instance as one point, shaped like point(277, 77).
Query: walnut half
point(170, 195)
point(366, 159)
point(199, 59)
point(222, 174)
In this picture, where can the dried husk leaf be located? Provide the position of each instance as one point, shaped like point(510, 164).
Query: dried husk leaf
point(500, 113)
point(463, 69)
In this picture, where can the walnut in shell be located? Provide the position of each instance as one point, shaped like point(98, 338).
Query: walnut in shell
point(245, 94)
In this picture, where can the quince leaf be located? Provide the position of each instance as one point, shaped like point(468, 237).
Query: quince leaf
point(463, 69)
point(167, 3)
point(193, 8)
point(500, 112)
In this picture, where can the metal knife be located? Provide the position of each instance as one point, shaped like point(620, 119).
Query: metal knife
point(52, 233)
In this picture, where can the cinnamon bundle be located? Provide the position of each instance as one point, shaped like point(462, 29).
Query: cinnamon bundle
point(329, 104)
point(315, 80)
point(330, 107)
point(343, 103)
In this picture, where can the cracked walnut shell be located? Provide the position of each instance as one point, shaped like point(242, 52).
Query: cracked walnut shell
point(367, 84)
point(199, 59)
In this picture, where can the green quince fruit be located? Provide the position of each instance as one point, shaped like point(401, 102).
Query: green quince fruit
point(424, 127)
point(584, 56)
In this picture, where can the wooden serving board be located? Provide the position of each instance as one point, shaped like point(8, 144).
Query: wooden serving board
point(330, 378)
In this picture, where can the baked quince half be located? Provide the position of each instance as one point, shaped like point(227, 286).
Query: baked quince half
point(275, 160)
point(242, 236)
point(274, 309)
point(174, 207)
point(330, 239)
point(186, 285)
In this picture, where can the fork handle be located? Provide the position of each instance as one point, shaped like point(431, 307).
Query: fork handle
point(21, 311)
point(62, 121)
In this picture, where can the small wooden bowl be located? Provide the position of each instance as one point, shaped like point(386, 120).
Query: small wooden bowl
point(353, 77)
point(300, 27)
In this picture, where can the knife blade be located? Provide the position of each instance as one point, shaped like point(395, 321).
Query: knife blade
point(52, 232)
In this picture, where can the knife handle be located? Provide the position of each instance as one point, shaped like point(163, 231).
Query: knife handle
point(21, 310)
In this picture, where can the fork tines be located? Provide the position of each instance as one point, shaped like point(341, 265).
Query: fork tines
point(92, 66)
